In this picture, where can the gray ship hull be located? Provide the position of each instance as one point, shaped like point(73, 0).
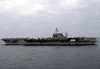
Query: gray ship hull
point(22, 42)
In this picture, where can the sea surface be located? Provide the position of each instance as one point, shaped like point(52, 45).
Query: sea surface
point(49, 57)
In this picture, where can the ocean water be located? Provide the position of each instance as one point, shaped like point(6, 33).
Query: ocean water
point(49, 57)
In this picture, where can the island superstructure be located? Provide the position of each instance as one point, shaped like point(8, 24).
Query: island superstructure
point(56, 39)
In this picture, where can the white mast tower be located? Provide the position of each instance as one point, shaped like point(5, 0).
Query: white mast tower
point(56, 30)
point(66, 35)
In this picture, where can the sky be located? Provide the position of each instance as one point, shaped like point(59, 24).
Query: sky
point(39, 18)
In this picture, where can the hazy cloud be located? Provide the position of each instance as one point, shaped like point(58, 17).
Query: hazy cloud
point(20, 18)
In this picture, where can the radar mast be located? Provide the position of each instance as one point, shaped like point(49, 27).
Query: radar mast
point(56, 30)
point(66, 35)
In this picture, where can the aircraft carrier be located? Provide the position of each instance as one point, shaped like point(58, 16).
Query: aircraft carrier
point(57, 39)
